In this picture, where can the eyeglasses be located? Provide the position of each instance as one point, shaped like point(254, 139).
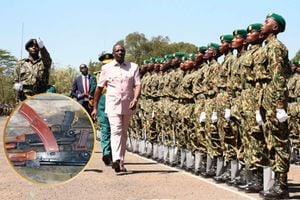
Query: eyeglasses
point(117, 50)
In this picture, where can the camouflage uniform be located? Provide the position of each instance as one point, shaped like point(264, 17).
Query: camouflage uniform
point(275, 96)
point(33, 75)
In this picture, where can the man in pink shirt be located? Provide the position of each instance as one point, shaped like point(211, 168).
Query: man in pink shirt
point(122, 80)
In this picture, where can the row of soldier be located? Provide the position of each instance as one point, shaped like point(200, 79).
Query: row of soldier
point(223, 120)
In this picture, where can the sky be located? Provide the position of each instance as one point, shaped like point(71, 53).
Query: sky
point(76, 32)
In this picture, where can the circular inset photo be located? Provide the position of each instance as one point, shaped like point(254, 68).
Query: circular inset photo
point(49, 138)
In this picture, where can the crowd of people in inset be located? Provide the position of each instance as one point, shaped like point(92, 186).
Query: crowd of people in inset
point(229, 121)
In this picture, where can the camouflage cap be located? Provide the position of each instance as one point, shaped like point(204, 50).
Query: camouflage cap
point(241, 32)
point(279, 19)
point(226, 38)
point(202, 49)
point(30, 43)
point(254, 27)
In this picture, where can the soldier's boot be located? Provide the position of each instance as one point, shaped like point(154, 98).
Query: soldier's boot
point(241, 178)
point(210, 167)
point(155, 151)
point(248, 179)
point(220, 170)
point(203, 163)
point(166, 154)
point(190, 161)
point(149, 149)
point(198, 160)
point(182, 158)
point(279, 190)
point(160, 153)
point(257, 183)
point(226, 175)
point(234, 171)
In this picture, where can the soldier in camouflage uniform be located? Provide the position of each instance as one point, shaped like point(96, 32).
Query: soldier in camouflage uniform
point(186, 109)
point(234, 89)
point(294, 111)
point(223, 108)
point(255, 152)
point(32, 74)
point(274, 105)
point(214, 149)
point(199, 99)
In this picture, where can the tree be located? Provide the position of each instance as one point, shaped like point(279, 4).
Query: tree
point(63, 79)
point(7, 63)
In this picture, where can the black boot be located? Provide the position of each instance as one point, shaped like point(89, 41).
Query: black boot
point(248, 180)
point(279, 190)
point(257, 184)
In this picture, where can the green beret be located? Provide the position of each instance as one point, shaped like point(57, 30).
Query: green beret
point(213, 46)
point(202, 49)
point(179, 54)
point(226, 38)
point(254, 27)
point(106, 56)
point(296, 62)
point(159, 60)
point(279, 19)
point(169, 56)
point(184, 58)
point(240, 32)
point(152, 60)
point(191, 56)
point(30, 43)
point(146, 61)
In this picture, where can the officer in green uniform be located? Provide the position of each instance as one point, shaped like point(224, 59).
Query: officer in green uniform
point(31, 75)
point(103, 119)
point(274, 105)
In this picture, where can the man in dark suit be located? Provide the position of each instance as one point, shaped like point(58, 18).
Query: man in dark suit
point(84, 87)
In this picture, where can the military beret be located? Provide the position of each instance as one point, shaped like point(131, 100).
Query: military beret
point(179, 54)
point(213, 46)
point(240, 32)
point(30, 43)
point(296, 62)
point(184, 58)
point(202, 49)
point(279, 19)
point(169, 56)
point(159, 60)
point(191, 56)
point(106, 57)
point(226, 38)
point(255, 27)
point(146, 61)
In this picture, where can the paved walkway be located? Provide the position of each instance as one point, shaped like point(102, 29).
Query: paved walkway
point(145, 179)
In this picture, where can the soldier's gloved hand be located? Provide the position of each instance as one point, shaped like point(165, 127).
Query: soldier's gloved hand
point(258, 118)
point(40, 43)
point(202, 117)
point(281, 115)
point(18, 86)
point(214, 117)
point(227, 114)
